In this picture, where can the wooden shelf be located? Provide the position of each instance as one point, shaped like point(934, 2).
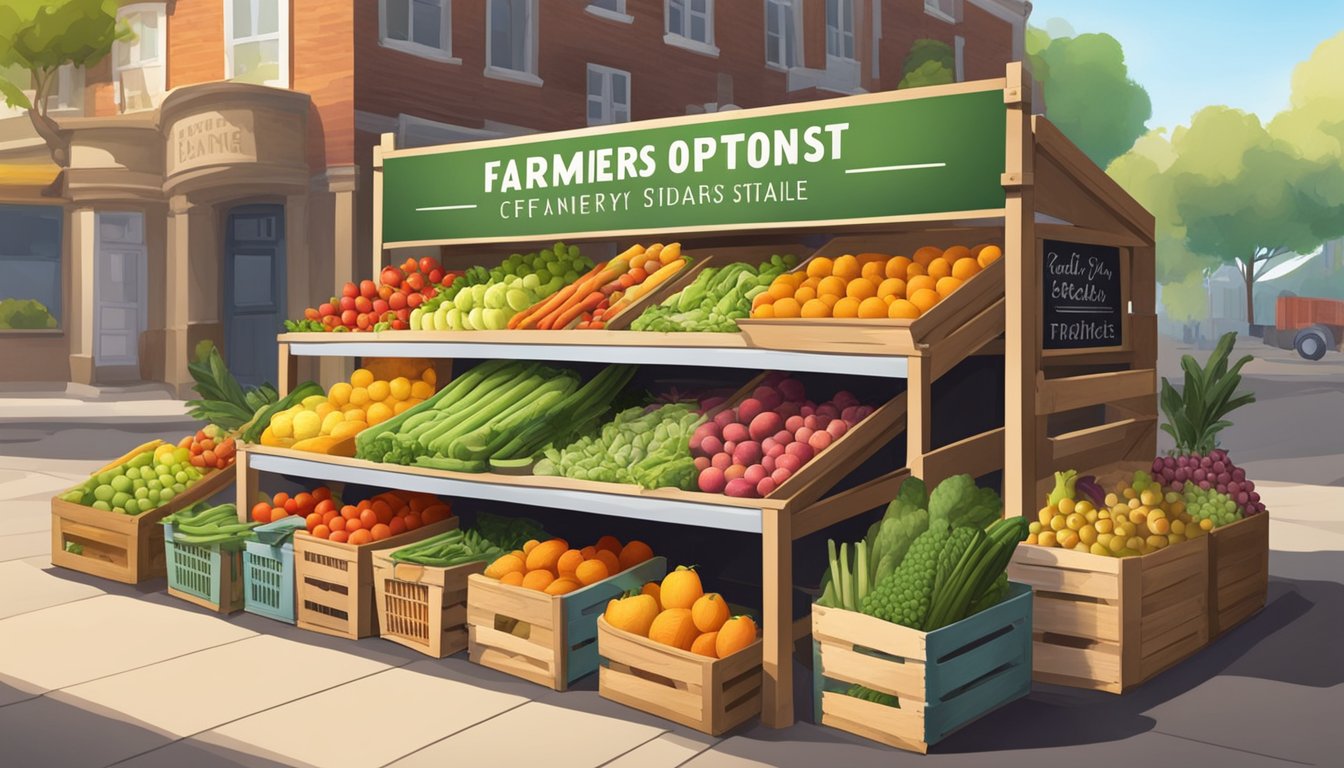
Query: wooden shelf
point(713, 350)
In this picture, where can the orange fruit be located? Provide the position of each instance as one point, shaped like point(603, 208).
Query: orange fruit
point(362, 536)
point(338, 536)
point(919, 282)
point(804, 294)
point(873, 270)
point(381, 531)
point(902, 309)
point(965, 268)
point(816, 308)
point(764, 310)
point(989, 255)
point(892, 286)
point(609, 559)
point(861, 288)
point(592, 571)
point(321, 531)
point(781, 289)
point(811, 282)
point(831, 286)
point(569, 562)
point(704, 645)
point(975, 250)
point(925, 299)
point(915, 270)
point(846, 266)
point(897, 266)
point(846, 307)
point(538, 579)
point(927, 254)
point(889, 299)
point(609, 543)
point(512, 578)
point(829, 299)
point(370, 517)
point(956, 253)
point(864, 258)
point(397, 526)
point(947, 285)
point(819, 266)
point(872, 307)
point(562, 586)
point(354, 524)
point(787, 307)
point(939, 268)
point(634, 553)
point(337, 523)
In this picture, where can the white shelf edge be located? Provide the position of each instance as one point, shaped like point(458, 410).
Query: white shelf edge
point(639, 508)
point(884, 366)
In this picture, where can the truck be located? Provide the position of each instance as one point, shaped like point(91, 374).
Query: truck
point(1311, 326)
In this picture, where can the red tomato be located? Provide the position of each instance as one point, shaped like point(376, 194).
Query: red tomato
point(380, 307)
point(384, 291)
point(369, 518)
point(409, 266)
point(414, 300)
point(367, 289)
point(415, 281)
point(291, 506)
point(349, 317)
point(347, 302)
point(428, 264)
point(279, 499)
point(313, 520)
point(391, 276)
point(396, 300)
point(350, 290)
point(436, 276)
point(326, 309)
point(322, 493)
point(397, 526)
point(261, 512)
point(412, 521)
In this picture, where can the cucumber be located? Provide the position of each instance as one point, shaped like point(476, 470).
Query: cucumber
point(450, 464)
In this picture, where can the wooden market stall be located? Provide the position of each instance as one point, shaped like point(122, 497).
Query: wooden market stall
point(1079, 366)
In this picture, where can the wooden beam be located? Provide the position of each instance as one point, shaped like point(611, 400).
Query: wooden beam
point(919, 412)
point(966, 340)
point(1091, 180)
point(777, 618)
point(850, 503)
point(1066, 394)
point(1022, 321)
point(976, 456)
point(1073, 443)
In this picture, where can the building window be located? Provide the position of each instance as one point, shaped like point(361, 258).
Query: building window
point(608, 95)
point(947, 10)
point(30, 267)
point(421, 27)
point(610, 9)
point(66, 94)
point(511, 41)
point(138, 63)
point(781, 33)
point(840, 29)
point(690, 24)
point(256, 41)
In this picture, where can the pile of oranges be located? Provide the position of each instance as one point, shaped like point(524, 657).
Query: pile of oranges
point(873, 285)
point(380, 517)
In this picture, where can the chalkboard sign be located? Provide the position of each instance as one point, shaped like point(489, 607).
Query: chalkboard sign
point(1083, 305)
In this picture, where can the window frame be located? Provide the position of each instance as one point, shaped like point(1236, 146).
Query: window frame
point(281, 35)
point(59, 303)
point(444, 53)
point(621, 14)
point(160, 60)
point(935, 9)
point(681, 39)
point(608, 94)
point(842, 33)
point(795, 46)
point(530, 75)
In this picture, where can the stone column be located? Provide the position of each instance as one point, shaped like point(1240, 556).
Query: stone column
point(176, 298)
point(79, 314)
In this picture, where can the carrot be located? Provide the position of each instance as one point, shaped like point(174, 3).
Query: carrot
point(587, 305)
point(582, 289)
point(529, 317)
point(638, 275)
point(663, 274)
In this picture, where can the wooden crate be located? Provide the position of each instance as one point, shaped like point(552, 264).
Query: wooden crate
point(125, 548)
point(1238, 572)
point(550, 640)
point(943, 679)
point(422, 607)
point(880, 336)
point(1108, 623)
point(334, 580)
point(709, 695)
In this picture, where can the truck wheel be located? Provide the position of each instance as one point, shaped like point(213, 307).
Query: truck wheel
point(1311, 343)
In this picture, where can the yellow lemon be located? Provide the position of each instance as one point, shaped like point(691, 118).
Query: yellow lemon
point(359, 396)
point(324, 410)
point(282, 424)
point(332, 419)
point(379, 391)
point(312, 401)
point(306, 425)
point(400, 388)
point(362, 377)
point(339, 394)
point(355, 414)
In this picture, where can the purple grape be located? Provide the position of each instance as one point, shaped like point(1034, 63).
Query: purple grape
point(1255, 497)
point(1233, 488)
point(1239, 475)
point(1170, 462)
point(1205, 462)
point(1198, 476)
point(1181, 474)
point(1218, 468)
point(1224, 478)
point(1248, 485)
point(1204, 484)
point(1178, 485)
point(1242, 499)
point(1184, 461)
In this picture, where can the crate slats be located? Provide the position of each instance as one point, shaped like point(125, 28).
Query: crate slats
point(422, 607)
point(1238, 572)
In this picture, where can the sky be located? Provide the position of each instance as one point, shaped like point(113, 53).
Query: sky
point(1189, 54)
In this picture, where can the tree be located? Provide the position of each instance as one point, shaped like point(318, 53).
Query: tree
point(1088, 93)
point(930, 62)
point(40, 37)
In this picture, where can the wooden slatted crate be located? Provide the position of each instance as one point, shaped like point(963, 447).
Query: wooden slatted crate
point(709, 695)
point(942, 679)
point(422, 607)
point(125, 548)
point(1238, 572)
point(334, 580)
point(1108, 623)
point(550, 640)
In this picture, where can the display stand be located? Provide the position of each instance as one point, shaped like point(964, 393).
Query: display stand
point(1005, 202)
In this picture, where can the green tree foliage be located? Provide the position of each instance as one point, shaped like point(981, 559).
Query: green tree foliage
point(39, 37)
point(930, 62)
point(1088, 92)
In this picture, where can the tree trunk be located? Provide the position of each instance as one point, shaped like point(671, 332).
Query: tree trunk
point(1250, 292)
point(57, 143)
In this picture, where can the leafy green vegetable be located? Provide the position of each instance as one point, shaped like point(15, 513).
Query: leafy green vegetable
point(868, 694)
point(963, 503)
point(1064, 486)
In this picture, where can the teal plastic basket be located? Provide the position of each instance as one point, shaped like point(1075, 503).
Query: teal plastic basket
point(199, 572)
point(268, 570)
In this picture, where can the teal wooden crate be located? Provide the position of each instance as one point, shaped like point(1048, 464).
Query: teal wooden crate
point(210, 576)
point(268, 570)
point(548, 639)
point(943, 679)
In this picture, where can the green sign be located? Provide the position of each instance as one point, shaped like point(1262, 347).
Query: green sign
point(820, 162)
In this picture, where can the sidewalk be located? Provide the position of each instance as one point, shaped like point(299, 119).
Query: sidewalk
point(96, 673)
point(79, 404)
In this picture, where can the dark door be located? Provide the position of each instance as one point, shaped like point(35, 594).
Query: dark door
point(254, 290)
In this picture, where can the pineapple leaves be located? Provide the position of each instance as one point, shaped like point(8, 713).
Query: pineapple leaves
point(1195, 414)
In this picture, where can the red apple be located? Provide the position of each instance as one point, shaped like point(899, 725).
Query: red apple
point(380, 307)
point(364, 322)
point(350, 290)
point(362, 304)
point(400, 325)
point(326, 309)
point(349, 317)
point(409, 266)
point(347, 302)
point(396, 301)
point(391, 276)
point(428, 264)
point(367, 289)
point(415, 281)
point(384, 291)
point(331, 321)
point(436, 276)
point(403, 314)
point(414, 300)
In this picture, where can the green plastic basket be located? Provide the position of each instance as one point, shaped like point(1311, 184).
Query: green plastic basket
point(196, 571)
point(268, 576)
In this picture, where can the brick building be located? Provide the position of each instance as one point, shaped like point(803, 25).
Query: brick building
point(219, 164)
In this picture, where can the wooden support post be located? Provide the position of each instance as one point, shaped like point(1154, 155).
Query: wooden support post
point(777, 618)
point(287, 372)
point(1022, 332)
point(387, 143)
point(247, 482)
point(919, 413)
